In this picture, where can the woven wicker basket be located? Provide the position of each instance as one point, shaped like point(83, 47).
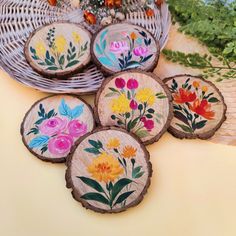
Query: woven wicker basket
point(18, 18)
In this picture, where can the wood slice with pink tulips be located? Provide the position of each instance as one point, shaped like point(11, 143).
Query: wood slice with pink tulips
point(136, 101)
point(199, 107)
point(109, 170)
point(53, 124)
point(124, 46)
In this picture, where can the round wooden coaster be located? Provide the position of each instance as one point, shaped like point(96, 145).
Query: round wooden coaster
point(137, 101)
point(53, 124)
point(108, 170)
point(199, 108)
point(58, 49)
point(124, 46)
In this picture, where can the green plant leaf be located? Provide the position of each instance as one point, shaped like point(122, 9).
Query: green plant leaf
point(91, 183)
point(52, 68)
point(95, 197)
point(95, 144)
point(185, 128)
point(142, 133)
point(139, 175)
point(200, 124)
point(213, 100)
point(92, 150)
point(136, 170)
point(72, 63)
point(123, 197)
point(132, 123)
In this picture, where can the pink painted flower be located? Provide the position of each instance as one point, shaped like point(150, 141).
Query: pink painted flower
point(140, 51)
point(76, 128)
point(133, 105)
point(149, 124)
point(52, 126)
point(119, 46)
point(132, 84)
point(143, 119)
point(60, 144)
point(120, 83)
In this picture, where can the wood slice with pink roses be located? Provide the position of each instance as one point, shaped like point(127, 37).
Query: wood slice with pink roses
point(53, 124)
point(108, 170)
point(119, 47)
point(137, 101)
point(199, 108)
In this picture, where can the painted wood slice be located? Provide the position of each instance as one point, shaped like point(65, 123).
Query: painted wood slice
point(58, 49)
point(199, 108)
point(124, 46)
point(53, 124)
point(109, 170)
point(137, 101)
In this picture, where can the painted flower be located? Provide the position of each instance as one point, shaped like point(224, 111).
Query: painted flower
point(60, 44)
point(133, 105)
point(133, 36)
point(159, 2)
point(109, 3)
point(146, 95)
point(202, 108)
point(119, 47)
point(120, 105)
point(76, 128)
point(40, 49)
point(76, 37)
point(132, 84)
point(105, 168)
point(60, 144)
point(129, 152)
point(120, 83)
point(52, 126)
point(149, 125)
point(149, 12)
point(196, 84)
point(90, 17)
point(113, 143)
point(204, 89)
point(140, 51)
point(118, 3)
point(184, 96)
point(52, 2)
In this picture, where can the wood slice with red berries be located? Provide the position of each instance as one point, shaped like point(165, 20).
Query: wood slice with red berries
point(59, 49)
point(137, 101)
point(53, 124)
point(199, 107)
point(124, 46)
point(109, 170)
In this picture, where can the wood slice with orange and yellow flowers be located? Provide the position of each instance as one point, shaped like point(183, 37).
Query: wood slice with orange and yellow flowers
point(108, 170)
point(199, 108)
point(58, 49)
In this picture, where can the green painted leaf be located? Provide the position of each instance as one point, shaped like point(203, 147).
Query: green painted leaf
point(213, 100)
point(136, 170)
point(151, 110)
point(185, 128)
point(132, 64)
point(142, 133)
point(91, 183)
point(32, 50)
point(95, 144)
point(139, 175)
point(181, 116)
point(111, 94)
point(118, 186)
point(114, 90)
point(72, 63)
point(123, 197)
point(132, 123)
point(200, 124)
point(92, 150)
point(62, 60)
point(95, 197)
point(52, 68)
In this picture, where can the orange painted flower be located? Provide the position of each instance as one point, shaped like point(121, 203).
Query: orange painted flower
point(52, 2)
point(159, 2)
point(184, 96)
point(202, 108)
point(149, 12)
point(204, 88)
point(196, 84)
point(133, 36)
point(90, 17)
point(129, 152)
point(109, 3)
point(118, 3)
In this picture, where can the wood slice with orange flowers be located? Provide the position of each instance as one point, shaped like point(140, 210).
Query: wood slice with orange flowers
point(124, 46)
point(53, 124)
point(55, 52)
point(135, 100)
point(199, 107)
point(108, 170)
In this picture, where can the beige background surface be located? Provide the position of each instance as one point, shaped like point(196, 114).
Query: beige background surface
point(193, 190)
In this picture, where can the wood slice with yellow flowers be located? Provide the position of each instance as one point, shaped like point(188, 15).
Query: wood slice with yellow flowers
point(108, 170)
point(58, 49)
point(199, 107)
point(137, 101)
point(53, 124)
point(124, 46)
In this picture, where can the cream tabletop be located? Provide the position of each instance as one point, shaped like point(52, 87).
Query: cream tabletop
point(193, 189)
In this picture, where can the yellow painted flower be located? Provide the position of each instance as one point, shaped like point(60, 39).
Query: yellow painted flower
point(146, 95)
point(129, 152)
point(60, 44)
point(76, 37)
point(133, 36)
point(204, 88)
point(40, 49)
point(120, 105)
point(113, 143)
point(105, 168)
point(196, 84)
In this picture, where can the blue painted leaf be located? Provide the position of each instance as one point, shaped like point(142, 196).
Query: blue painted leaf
point(98, 49)
point(103, 34)
point(38, 141)
point(77, 111)
point(64, 109)
point(139, 41)
point(103, 45)
point(112, 56)
point(105, 61)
